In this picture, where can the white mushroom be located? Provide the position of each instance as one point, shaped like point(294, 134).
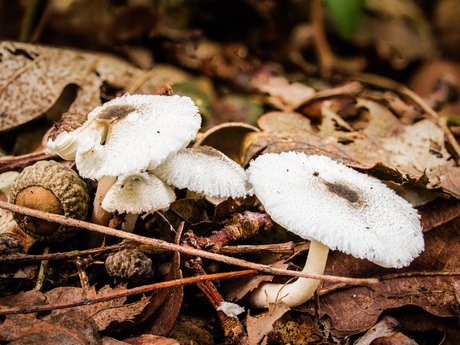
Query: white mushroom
point(202, 170)
point(137, 194)
point(334, 207)
point(205, 170)
point(127, 136)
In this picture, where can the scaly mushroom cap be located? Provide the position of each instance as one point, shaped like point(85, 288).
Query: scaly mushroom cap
point(138, 193)
point(205, 170)
point(51, 187)
point(129, 135)
point(318, 198)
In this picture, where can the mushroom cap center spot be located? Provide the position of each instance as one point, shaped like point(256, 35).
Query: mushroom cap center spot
point(345, 192)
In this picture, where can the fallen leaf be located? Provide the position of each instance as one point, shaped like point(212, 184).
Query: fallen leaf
point(33, 77)
point(227, 138)
point(392, 28)
point(71, 327)
point(353, 310)
point(296, 330)
point(191, 330)
point(387, 149)
point(149, 339)
point(260, 325)
point(386, 327)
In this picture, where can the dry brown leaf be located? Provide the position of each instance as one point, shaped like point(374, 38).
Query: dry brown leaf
point(386, 327)
point(227, 138)
point(438, 212)
point(387, 149)
point(72, 327)
point(162, 309)
point(353, 310)
point(289, 330)
point(149, 339)
point(395, 339)
point(283, 94)
point(191, 330)
point(33, 77)
point(102, 314)
point(260, 325)
point(397, 29)
point(416, 320)
point(276, 121)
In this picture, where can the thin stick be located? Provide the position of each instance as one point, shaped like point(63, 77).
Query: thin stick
point(159, 244)
point(126, 292)
point(20, 162)
point(65, 255)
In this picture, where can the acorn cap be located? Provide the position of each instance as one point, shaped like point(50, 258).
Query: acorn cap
point(318, 198)
point(51, 187)
point(68, 122)
point(130, 264)
point(138, 193)
point(205, 170)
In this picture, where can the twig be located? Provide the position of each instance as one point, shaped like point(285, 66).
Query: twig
point(20, 162)
point(174, 247)
point(126, 292)
point(323, 49)
point(43, 272)
point(233, 330)
point(340, 286)
point(84, 281)
point(240, 226)
point(417, 274)
point(277, 248)
point(66, 255)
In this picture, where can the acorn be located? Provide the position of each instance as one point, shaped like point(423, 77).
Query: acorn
point(130, 264)
point(51, 187)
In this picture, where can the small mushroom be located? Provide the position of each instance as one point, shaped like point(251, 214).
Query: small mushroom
point(128, 135)
point(205, 170)
point(51, 187)
point(334, 207)
point(202, 170)
point(136, 194)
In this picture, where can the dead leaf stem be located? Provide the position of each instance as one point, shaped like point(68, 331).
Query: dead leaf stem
point(126, 292)
point(174, 247)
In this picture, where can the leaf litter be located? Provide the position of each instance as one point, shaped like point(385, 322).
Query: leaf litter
point(370, 126)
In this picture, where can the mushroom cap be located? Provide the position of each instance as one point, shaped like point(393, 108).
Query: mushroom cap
point(318, 198)
point(138, 193)
point(131, 134)
point(205, 170)
point(65, 145)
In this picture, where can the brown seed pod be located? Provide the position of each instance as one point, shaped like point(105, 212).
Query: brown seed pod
point(130, 264)
point(69, 122)
point(51, 187)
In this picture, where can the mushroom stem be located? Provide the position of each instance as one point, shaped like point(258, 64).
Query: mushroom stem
point(298, 292)
point(130, 222)
point(99, 215)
